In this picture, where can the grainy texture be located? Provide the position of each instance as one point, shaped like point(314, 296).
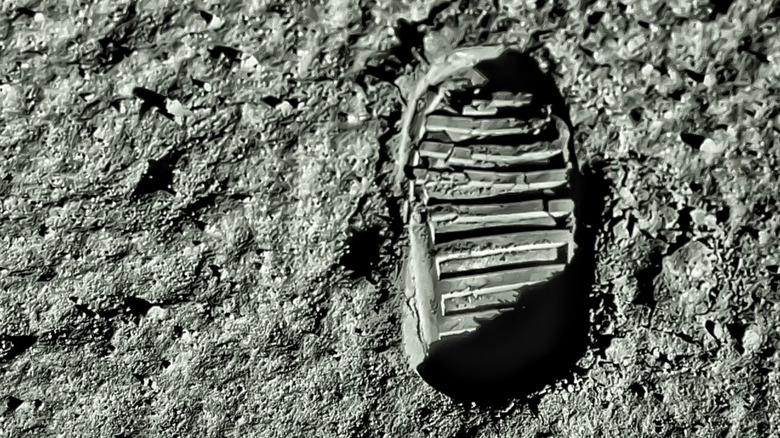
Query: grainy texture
point(195, 240)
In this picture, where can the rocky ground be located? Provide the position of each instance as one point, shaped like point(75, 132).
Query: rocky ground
point(197, 237)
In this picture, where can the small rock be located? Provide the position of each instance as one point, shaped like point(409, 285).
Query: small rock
point(709, 146)
point(752, 340)
point(636, 43)
point(764, 238)
point(285, 108)
point(710, 80)
point(305, 58)
point(175, 107)
point(704, 219)
point(650, 222)
point(620, 230)
point(215, 22)
point(628, 197)
point(249, 62)
point(157, 313)
point(437, 44)
point(692, 261)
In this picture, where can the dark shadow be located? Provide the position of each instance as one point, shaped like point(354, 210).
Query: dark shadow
point(517, 353)
point(519, 73)
point(542, 337)
point(14, 346)
point(363, 252)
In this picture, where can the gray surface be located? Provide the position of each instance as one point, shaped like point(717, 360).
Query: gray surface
point(251, 331)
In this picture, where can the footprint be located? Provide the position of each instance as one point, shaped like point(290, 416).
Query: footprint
point(495, 302)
